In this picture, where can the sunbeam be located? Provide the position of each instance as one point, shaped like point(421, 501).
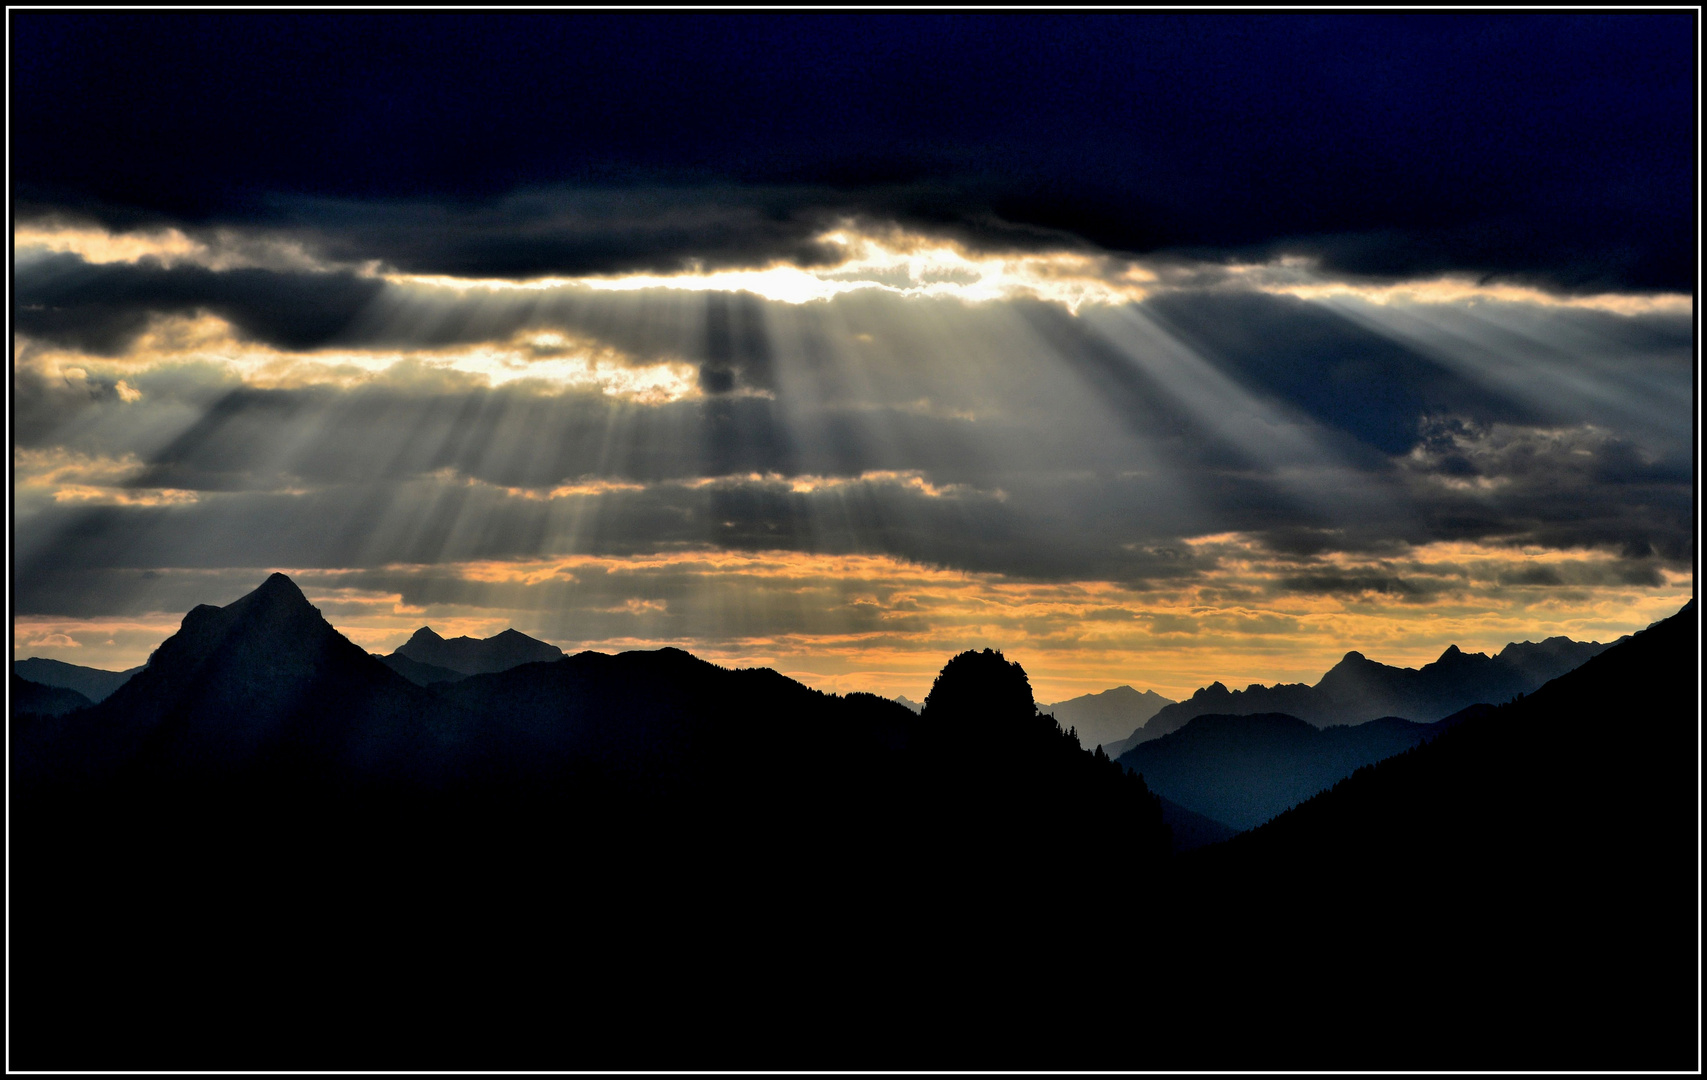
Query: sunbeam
point(1039, 419)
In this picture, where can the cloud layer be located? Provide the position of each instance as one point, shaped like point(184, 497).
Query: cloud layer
point(1170, 347)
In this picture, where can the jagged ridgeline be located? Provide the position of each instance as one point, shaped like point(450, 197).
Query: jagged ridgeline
point(266, 815)
point(268, 849)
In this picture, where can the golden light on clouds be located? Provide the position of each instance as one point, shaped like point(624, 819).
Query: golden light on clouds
point(551, 360)
point(1016, 404)
point(876, 623)
point(1304, 279)
point(895, 262)
point(67, 477)
point(887, 259)
point(212, 249)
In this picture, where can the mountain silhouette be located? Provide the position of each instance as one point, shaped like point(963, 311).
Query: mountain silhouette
point(477, 656)
point(901, 699)
point(1358, 689)
point(1108, 717)
point(293, 825)
point(648, 860)
point(93, 683)
point(36, 699)
point(264, 682)
point(1537, 862)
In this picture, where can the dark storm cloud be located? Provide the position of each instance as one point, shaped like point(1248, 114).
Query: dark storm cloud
point(1553, 146)
point(101, 308)
point(582, 231)
point(1573, 488)
point(574, 233)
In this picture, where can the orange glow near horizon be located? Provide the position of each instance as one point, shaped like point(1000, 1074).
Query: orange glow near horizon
point(877, 624)
point(882, 257)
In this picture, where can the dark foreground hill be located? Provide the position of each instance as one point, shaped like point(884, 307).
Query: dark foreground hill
point(270, 850)
point(35, 699)
point(1520, 892)
point(1358, 689)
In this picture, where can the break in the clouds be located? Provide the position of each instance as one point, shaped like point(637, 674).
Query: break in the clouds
point(630, 377)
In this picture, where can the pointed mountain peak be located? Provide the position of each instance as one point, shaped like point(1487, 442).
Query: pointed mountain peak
point(423, 636)
point(1214, 689)
point(277, 597)
point(1353, 657)
point(1451, 651)
point(279, 585)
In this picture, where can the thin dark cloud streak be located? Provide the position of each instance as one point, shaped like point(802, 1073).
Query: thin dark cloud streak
point(103, 308)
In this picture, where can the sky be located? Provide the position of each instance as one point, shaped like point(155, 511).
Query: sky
point(1150, 348)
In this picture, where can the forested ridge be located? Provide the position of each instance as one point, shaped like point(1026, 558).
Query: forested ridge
point(269, 849)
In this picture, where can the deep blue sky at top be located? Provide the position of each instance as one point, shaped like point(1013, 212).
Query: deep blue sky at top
point(1557, 147)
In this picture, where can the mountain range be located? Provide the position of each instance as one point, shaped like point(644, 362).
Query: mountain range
point(301, 836)
point(424, 659)
point(1533, 872)
point(1358, 689)
point(647, 860)
point(476, 656)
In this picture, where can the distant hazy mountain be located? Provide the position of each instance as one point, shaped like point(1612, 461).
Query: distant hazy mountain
point(901, 699)
point(416, 672)
point(1359, 689)
point(477, 656)
point(40, 700)
point(1243, 770)
point(1109, 717)
point(93, 683)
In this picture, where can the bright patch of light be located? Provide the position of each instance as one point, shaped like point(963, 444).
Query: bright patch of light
point(806, 484)
point(217, 249)
point(81, 493)
point(900, 263)
point(1294, 276)
point(550, 360)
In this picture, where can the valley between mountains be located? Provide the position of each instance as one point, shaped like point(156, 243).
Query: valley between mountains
point(269, 848)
